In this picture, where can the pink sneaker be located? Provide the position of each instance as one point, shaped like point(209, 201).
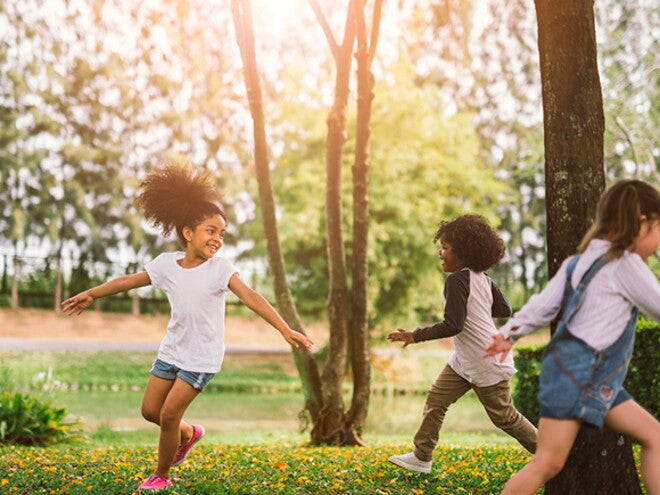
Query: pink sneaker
point(155, 483)
point(182, 453)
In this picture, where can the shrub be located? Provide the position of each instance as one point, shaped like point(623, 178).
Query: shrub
point(528, 363)
point(642, 381)
point(27, 421)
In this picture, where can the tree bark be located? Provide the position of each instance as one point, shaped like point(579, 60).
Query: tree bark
point(359, 332)
point(574, 125)
point(573, 122)
point(331, 429)
point(307, 369)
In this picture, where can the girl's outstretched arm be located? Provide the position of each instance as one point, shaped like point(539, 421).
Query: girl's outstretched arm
point(499, 345)
point(257, 303)
point(78, 303)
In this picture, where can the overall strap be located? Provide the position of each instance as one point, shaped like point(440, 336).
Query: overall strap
point(573, 297)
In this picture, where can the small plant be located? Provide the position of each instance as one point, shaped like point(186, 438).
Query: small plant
point(25, 420)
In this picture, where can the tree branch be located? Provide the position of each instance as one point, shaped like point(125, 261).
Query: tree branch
point(323, 21)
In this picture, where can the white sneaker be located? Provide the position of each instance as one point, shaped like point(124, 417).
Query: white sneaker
point(410, 461)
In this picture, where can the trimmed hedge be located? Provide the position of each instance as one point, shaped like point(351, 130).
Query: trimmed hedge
point(643, 380)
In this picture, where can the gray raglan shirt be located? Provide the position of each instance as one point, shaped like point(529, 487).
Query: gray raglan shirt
point(472, 299)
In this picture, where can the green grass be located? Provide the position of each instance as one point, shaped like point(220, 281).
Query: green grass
point(285, 468)
point(94, 370)
point(253, 442)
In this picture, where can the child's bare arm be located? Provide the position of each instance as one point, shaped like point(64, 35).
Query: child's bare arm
point(257, 303)
point(78, 303)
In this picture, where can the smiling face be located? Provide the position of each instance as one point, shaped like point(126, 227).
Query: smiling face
point(450, 261)
point(205, 239)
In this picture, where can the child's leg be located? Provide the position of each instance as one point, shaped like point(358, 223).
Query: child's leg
point(153, 400)
point(177, 401)
point(633, 420)
point(555, 439)
point(499, 406)
point(447, 389)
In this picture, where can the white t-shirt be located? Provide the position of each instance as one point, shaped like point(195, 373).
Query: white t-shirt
point(618, 287)
point(195, 333)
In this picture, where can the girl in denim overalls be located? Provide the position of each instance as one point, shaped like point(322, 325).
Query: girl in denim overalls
point(597, 294)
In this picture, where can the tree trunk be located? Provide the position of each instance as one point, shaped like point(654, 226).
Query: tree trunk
point(595, 451)
point(305, 363)
point(573, 122)
point(359, 332)
point(324, 394)
point(331, 429)
point(573, 133)
point(14, 283)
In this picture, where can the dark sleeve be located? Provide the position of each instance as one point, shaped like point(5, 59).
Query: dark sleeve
point(457, 290)
point(501, 305)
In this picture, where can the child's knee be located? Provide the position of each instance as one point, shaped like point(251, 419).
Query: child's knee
point(150, 415)
point(548, 466)
point(170, 417)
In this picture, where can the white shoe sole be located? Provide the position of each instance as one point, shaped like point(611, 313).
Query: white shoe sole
point(396, 460)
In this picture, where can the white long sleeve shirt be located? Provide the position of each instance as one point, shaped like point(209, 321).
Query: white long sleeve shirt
point(618, 287)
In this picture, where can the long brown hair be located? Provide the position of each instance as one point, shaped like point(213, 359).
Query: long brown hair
point(619, 212)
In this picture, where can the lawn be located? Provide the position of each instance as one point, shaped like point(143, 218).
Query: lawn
point(265, 468)
point(253, 444)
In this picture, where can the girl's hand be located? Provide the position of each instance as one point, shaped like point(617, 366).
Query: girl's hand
point(77, 304)
point(402, 335)
point(294, 338)
point(499, 345)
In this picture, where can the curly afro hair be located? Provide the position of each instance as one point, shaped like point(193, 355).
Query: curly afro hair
point(175, 195)
point(473, 240)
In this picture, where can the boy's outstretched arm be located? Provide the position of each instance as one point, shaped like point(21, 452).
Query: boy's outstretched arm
point(499, 345)
point(78, 303)
point(257, 303)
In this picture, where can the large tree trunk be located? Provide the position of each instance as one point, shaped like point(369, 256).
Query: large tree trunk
point(574, 126)
point(305, 363)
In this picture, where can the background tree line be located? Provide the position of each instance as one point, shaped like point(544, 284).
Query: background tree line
point(97, 92)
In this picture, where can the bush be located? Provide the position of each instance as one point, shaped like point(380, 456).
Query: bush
point(642, 381)
point(528, 363)
point(25, 420)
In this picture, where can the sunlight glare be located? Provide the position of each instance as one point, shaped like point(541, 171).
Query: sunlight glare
point(279, 12)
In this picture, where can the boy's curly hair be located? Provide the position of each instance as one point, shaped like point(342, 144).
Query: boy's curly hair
point(473, 240)
point(174, 196)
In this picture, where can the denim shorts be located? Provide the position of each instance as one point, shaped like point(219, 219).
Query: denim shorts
point(197, 380)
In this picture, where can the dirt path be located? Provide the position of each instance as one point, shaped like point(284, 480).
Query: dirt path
point(42, 329)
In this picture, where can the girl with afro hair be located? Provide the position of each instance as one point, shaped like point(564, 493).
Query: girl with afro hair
point(183, 199)
point(468, 247)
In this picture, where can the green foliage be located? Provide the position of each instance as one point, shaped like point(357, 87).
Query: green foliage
point(528, 363)
point(27, 421)
point(642, 381)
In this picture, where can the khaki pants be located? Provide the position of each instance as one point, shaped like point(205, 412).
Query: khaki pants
point(496, 399)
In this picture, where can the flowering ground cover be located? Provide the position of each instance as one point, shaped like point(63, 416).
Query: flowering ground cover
point(275, 468)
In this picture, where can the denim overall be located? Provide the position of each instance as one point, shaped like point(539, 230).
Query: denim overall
point(577, 381)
